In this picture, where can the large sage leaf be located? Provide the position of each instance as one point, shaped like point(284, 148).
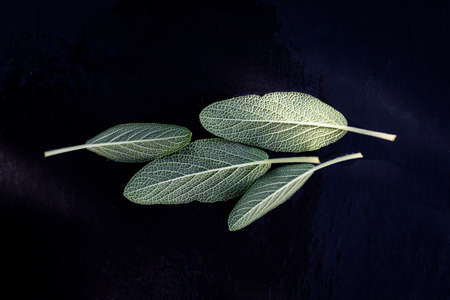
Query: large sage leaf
point(135, 142)
point(273, 189)
point(208, 170)
point(279, 121)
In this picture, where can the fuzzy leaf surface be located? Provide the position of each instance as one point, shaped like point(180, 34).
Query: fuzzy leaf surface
point(268, 192)
point(273, 189)
point(139, 142)
point(279, 121)
point(207, 170)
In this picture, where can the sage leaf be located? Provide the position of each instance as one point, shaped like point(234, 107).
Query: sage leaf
point(208, 170)
point(134, 142)
point(279, 121)
point(273, 189)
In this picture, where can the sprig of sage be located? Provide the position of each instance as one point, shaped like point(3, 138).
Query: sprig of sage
point(220, 169)
point(134, 142)
point(273, 189)
point(279, 121)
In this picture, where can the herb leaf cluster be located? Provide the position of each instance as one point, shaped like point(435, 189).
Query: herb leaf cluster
point(235, 164)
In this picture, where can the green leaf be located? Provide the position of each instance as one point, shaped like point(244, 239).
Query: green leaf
point(208, 170)
point(273, 189)
point(280, 121)
point(134, 142)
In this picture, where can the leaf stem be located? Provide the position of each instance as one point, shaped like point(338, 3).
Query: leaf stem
point(63, 150)
point(93, 145)
point(378, 134)
point(298, 159)
point(336, 160)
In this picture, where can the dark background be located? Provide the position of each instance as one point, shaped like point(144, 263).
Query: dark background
point(376, 228)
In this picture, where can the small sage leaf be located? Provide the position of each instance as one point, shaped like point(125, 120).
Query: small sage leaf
point(279, 121)
point(207, 170)
point(135, 142)
point(273, 189)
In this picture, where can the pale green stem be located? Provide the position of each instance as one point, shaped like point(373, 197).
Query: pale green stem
point(336, 160)
point(380, 135)
point(94, 145)
point(298, 159)
point(63, 150)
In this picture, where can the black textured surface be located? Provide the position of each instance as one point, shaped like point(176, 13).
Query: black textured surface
point(377, 228)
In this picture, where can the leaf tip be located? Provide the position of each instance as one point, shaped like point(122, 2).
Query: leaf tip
point(232, 227)
point(189, 137)
point(232, 224)
point(127, 193)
